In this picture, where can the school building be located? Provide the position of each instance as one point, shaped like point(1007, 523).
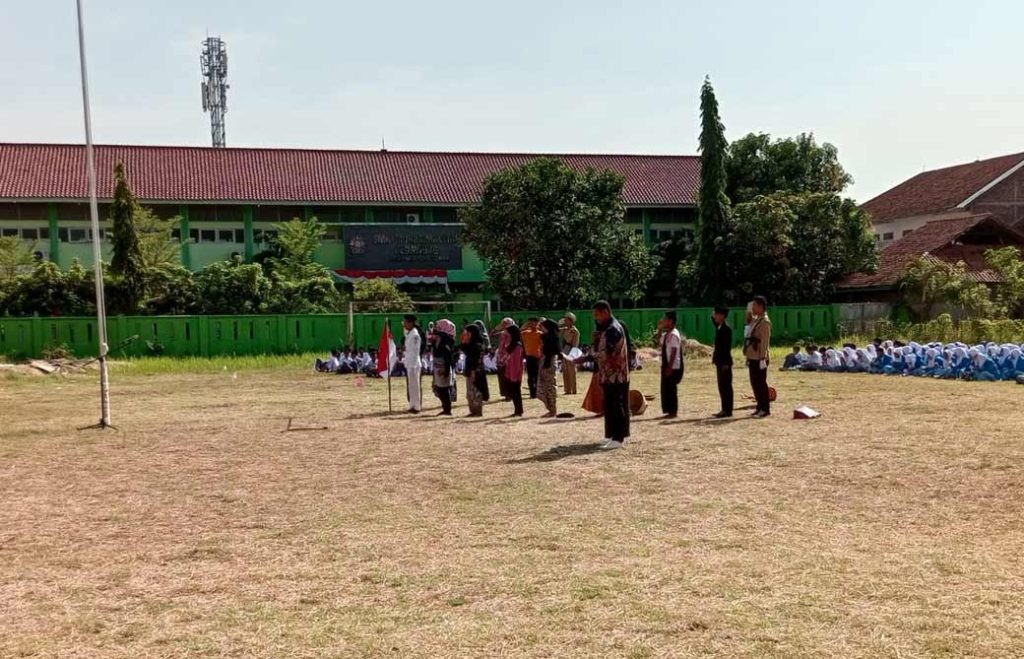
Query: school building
point(388, 214)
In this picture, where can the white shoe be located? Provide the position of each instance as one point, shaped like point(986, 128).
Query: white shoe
point(611, 445)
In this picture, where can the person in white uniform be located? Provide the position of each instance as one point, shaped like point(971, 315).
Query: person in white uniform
point(413, 365)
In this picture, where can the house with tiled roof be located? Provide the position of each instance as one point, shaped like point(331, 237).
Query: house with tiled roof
point(994, 186)
point(956, 239)
point(390, 212)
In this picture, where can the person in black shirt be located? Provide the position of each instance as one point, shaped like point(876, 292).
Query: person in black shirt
point(722, 359)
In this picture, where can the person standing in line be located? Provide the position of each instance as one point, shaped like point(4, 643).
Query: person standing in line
point(443, 351)
point(755, 350)
point(612, 356)
point(671, 365)
point(501, 356)
point(722, 359)
point(514, 368)
point(570, 340)
point(481, 378)
point(473, 349)
point(413, 366)
point(532, 346)
point(551, 349)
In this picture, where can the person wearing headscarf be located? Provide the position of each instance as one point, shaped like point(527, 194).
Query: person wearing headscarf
point(985, 368)
point(485, 346)
point(443, 350)
point(501, 356)
point(570, 341)
point(862, 363)
point(473, 349)
point(551, 348)
point(514, 358)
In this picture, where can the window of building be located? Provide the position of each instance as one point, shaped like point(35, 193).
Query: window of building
point(887, 236)
point(446, 215)
point(78, 235)
point(8, 233)
point(30, 234)
point(225, 236)
point(239, 236)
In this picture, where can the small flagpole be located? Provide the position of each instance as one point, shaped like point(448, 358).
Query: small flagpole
point(390, 365)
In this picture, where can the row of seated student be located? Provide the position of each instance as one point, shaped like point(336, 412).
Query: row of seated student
point(364, 362)
point(954, 361)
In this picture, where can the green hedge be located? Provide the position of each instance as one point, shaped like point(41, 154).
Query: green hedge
point(277, 334)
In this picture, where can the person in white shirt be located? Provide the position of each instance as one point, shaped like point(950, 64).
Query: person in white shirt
point(671, 365)
point(490, 363)
point(413, 363)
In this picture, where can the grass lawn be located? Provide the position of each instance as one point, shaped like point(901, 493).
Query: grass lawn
point(890, 527)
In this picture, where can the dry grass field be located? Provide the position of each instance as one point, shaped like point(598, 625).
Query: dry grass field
point(890, 527)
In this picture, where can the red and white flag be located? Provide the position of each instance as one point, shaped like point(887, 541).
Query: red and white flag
point(387, 353)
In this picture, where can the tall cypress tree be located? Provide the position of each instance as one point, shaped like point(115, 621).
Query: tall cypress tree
point(126, 261)
point(713, 216)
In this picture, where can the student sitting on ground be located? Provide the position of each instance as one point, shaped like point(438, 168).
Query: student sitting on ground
point(793, 360)
point(329, 365)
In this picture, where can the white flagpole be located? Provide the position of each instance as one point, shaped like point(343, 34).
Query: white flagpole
point(97, 253)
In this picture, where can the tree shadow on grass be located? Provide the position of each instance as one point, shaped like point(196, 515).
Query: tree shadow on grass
point(556, 453)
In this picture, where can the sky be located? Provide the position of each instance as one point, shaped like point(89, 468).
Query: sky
point(897, 86)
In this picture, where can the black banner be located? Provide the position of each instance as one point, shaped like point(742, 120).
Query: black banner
point(394, 247)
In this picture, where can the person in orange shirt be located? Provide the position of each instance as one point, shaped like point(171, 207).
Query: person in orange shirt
point(532, 347)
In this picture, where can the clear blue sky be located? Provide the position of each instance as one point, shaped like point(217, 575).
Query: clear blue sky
point(896, 86)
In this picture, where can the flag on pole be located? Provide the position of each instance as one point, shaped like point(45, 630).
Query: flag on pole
point(387, 353)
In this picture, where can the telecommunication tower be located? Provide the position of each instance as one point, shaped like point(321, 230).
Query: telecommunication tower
point(214, 62)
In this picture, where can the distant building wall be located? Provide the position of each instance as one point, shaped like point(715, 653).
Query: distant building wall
point(1005, 201)
point(890, 231)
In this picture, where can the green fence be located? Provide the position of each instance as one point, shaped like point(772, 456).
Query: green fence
point(245, 335)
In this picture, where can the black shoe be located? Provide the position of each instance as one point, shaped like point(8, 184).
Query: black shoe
point(722, 415)
point(444, 414)
point(762, 414)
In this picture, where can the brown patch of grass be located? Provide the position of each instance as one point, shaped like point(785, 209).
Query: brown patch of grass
point(889, 527)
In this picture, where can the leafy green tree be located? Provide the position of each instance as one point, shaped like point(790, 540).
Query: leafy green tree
point(299, 283)
point(706, 277)
point(1008, 296)
point(553, 237)
point(15, 258)
point(48, 291)
point(757, 165)
point(232, 287)
point(157, 246)
point(929, 282)
point(126, 263)
point(380, 296)
point(294, 248)
point(795, 248)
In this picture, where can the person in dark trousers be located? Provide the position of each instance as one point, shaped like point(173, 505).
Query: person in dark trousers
point(612, 356)
point(755, 351)
point(722, 359)
point(671, 364)
point(532, 347)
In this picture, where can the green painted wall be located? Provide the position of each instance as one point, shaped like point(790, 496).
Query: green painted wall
point(242, 335)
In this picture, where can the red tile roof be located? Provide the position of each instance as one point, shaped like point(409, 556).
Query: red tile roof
point(936, 239)
point(159, 173)
point(938, 190)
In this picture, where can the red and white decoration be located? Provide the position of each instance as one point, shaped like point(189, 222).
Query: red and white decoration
point(397, 276)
